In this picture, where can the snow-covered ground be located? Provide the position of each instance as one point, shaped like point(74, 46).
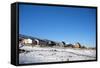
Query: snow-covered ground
point(48, 54)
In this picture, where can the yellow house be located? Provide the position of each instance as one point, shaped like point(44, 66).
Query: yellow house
point(77, 45)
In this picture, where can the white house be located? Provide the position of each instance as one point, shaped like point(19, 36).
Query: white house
point(27, 41)
point(37, 41)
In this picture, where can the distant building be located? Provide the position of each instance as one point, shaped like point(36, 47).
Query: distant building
point(43, 43)
point(77, 45)
point(69, 45)
point(26, 41)
point(35, 42)
point(60, 44)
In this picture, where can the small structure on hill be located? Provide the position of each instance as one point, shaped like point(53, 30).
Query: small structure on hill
point(27, 41)
point(69, 45)
point(77, 45)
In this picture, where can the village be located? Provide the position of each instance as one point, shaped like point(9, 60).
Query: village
point(30, 41)
point(35, 50)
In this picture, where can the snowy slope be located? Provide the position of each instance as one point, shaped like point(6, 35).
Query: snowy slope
point(48, 54)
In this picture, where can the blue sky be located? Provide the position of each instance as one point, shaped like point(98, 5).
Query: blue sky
point(59, 23)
